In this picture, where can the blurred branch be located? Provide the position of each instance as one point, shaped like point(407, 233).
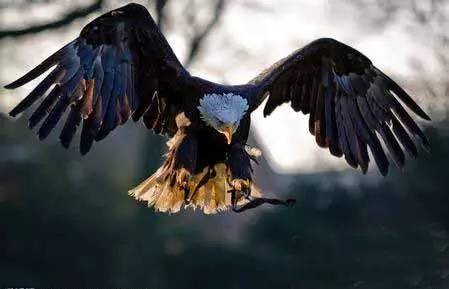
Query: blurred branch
point(198, 38)
point(160, 11)
point(195, 43)
point(21, 3)
point(427, 18)
point(200, 32)
point(66, 19)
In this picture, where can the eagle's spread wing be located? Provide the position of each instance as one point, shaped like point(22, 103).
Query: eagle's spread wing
point(351, 103)
point(120, 66)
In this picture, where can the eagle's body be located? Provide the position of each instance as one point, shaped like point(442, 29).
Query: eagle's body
point(121, 66)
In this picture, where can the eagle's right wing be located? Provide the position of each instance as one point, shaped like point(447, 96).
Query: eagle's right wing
point(120, 66)
point(352, 105)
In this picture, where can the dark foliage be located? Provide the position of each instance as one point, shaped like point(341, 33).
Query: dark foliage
point(60, 229)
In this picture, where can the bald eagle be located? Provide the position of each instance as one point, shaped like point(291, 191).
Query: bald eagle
point(121, 66)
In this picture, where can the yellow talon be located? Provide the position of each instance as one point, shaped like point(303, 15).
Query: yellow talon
point(240, 184)
point(183, 177)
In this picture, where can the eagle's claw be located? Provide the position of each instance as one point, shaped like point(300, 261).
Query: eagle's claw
point(240, 185)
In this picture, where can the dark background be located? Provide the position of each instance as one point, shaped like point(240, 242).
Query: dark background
point(66, 221)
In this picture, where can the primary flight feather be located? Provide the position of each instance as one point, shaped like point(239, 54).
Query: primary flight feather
point(121, 66)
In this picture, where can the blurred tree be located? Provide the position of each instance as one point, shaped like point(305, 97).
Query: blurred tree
point(426, 19)
point(66, 19)
point(200, 29)
point(384, 238)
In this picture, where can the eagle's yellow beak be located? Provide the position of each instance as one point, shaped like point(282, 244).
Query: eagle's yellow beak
point(228, 131)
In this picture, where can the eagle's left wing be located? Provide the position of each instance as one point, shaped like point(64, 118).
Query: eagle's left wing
point(120, 66)
point(351, 103)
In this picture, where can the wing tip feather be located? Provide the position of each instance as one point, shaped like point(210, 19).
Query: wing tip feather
point(13, 112)
point(383, 171)
point(64, 143)
point(11, 85)
point(425, 116)
point(41, 135)
point(421, 113)
point(84, 149)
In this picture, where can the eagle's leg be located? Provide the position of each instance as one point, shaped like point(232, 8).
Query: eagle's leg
point(239, 161)
point(242, 187)
point(244, 193)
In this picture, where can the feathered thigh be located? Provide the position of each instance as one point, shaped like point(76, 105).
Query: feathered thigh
point(200, 170)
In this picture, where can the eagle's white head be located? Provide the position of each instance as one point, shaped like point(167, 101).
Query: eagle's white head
point(223, 112)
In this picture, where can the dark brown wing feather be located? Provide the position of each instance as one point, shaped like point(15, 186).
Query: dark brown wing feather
point(352, 104)
point(115, 69)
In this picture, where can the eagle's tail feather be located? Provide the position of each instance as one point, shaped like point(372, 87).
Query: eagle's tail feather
point(211, 196)
point(213, 189)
